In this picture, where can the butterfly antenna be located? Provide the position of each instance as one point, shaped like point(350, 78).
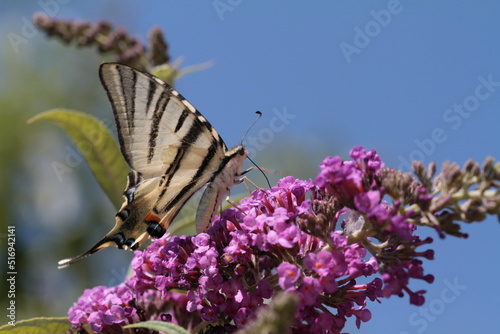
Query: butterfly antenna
point(248, 130)
point(265, 176)
point(243, 138)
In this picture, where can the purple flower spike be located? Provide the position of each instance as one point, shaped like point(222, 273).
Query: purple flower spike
point(101, 307)
point(281, 239)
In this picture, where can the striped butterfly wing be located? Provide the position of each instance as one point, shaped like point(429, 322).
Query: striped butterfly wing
point(156, 126)
point(172, 151)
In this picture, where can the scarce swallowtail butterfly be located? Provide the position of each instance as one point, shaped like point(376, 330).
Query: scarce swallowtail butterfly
point(172, 151)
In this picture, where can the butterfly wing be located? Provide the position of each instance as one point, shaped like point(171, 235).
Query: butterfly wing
point(171, 148)
point(154, 121)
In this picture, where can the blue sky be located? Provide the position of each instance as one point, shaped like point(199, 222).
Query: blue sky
point(411, 79)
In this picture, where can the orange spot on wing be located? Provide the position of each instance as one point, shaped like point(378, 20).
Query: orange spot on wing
point(152, 217)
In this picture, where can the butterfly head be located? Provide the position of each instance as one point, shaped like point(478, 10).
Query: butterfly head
point(238, 154)
point(236, 157)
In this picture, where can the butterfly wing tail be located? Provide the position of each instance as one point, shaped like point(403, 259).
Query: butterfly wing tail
point(105, 242)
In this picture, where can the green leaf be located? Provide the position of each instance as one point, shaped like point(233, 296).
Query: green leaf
point(171, 72)
point(97, 146)
point(38, 326)
point(166, 327)
point(194, 68)
point(167, 73)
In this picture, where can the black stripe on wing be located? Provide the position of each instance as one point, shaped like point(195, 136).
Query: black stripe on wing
point(128, 93)
point(119, 129)
point(192, 186)
point(151, 92)
point(161, 105)
point(199, 119)
point(181, 120)
point(190, 137)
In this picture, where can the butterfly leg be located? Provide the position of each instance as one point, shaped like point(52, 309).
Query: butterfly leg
point(244, 180)
point(262, 171)
point(235, 205)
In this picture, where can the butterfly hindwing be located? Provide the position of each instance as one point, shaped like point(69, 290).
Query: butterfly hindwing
point(172, 151)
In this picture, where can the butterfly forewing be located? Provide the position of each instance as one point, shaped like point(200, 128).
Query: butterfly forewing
point(172, 150)
point(153, 121)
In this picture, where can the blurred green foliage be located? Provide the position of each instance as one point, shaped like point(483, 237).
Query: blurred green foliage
point(97, 146)
point(51, 221)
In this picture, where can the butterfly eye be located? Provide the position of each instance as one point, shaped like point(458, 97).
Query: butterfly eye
point(123, 215)
point(241, 151)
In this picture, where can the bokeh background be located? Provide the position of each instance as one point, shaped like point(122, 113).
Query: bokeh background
point(387, 75)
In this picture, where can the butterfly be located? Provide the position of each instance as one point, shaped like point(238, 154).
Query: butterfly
point(172, 150)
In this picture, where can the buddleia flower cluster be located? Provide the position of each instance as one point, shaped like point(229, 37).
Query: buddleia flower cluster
point(335, 244)
point(108, 40)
